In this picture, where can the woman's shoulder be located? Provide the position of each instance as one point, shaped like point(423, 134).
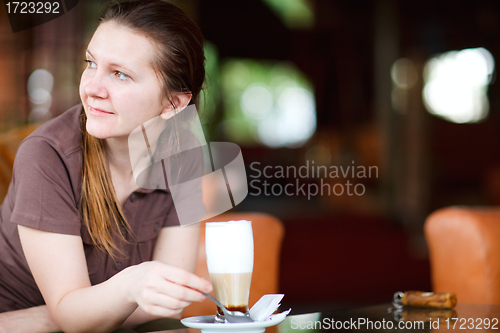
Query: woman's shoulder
point(50, 157)
point(63, 133)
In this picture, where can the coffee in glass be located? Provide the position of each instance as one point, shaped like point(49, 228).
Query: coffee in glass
point(229, 248)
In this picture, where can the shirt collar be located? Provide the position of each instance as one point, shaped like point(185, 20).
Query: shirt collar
point(151, 190)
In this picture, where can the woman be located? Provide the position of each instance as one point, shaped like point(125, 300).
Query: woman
point(74, 219)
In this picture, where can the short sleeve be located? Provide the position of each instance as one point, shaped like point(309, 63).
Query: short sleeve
point(172, 220)
point(43, 195)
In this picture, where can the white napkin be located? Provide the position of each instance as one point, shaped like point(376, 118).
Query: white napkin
point(265, 306)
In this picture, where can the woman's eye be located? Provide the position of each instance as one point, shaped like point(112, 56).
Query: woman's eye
point(122, 76)
point(90, 64)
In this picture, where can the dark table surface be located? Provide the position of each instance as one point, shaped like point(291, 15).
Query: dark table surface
point(381, 318)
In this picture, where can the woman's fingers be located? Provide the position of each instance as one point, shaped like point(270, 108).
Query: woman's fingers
point(184, 293)
point(178, 292)
point(184, 278)
point(152, 300)
point(165, 290)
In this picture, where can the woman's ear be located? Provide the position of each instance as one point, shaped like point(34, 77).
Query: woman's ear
point(180, 101)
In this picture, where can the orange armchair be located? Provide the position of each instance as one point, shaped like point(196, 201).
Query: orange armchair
point(268, 234)
point(464, 253)
point(8, 146)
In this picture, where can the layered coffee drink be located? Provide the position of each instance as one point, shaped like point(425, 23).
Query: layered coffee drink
point(232, 290)
point(229, 248)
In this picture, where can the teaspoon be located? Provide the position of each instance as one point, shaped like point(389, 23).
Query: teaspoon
point(231, 316)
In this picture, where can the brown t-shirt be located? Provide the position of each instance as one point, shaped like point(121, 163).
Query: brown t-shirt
point(44, 194)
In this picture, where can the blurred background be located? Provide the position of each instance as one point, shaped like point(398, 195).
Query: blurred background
point(402, 89)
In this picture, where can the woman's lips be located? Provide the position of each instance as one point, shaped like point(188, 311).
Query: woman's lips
point(98, 112)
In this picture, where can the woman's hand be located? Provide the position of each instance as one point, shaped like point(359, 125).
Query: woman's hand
point(163, 290)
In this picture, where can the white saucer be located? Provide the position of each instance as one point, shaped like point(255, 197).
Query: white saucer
point(206, 324)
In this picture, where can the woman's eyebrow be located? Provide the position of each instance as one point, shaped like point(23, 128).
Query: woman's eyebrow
point(114, 64)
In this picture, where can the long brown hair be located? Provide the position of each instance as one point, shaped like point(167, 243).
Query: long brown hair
point(179, 62)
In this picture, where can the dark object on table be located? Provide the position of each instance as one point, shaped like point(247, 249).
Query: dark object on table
point(421, 299)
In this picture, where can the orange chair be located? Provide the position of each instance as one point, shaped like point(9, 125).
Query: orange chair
point(9, 142)
point(268, 234)
point(464, 253)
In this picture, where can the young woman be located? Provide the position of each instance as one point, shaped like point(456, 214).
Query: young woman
point(76, 232)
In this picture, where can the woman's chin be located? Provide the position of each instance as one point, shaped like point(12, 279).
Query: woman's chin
point(98, 132)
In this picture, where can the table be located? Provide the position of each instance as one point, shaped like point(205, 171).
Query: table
point(386, 318)
point(380, 318)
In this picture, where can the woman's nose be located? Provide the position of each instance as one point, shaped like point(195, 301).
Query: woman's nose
point(96, 86)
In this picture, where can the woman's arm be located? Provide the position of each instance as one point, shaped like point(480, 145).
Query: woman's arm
point(176, 246)
point(58, 264)
point(35, 319)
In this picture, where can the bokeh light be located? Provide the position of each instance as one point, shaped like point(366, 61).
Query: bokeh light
point(40, 85)
point(269, 103)
point(295, 14)
point(404, 73)
point(457, 83)
point(404, 76)
point(257, 101)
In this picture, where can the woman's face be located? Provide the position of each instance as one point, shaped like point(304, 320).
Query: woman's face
point(119, 88)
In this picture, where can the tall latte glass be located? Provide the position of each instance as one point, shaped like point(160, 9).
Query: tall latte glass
point(229, 248)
